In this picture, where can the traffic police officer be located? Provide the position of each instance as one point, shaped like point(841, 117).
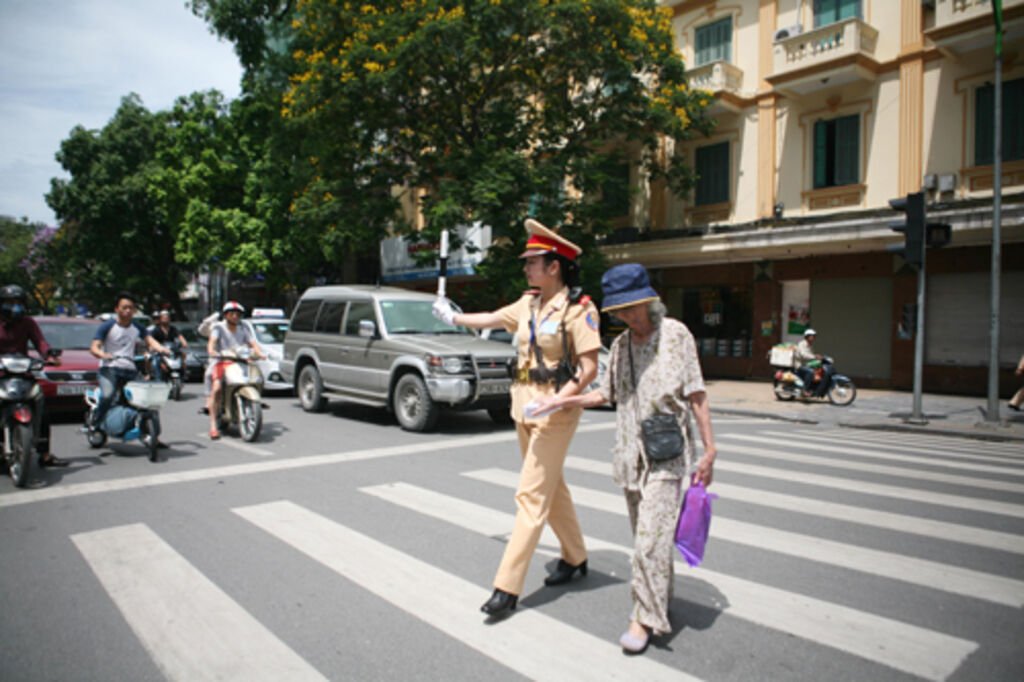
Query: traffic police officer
point(556, 329)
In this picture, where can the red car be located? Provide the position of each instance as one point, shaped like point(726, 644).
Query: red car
point(64, 386)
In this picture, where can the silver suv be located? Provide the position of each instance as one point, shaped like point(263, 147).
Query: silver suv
point(383, 346)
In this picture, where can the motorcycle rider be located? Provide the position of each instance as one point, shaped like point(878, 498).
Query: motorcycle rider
point(16, 330)
point(165, 332)
point(114, 344)
point(804, 355)
point(225, 335)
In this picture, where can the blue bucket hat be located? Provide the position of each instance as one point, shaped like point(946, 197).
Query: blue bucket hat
point(625, 285)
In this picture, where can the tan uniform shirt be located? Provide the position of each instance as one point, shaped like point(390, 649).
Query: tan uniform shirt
point(581, 336)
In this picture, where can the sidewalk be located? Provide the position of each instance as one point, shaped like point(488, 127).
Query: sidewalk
point(947, 415)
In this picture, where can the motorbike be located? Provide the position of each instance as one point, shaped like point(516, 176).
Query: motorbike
point(171, 368)
point(240, 397)
point(134, 415)
point(20, 398)
point(827, 383)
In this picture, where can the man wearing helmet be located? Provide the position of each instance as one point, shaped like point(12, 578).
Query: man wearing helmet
point(225, 335)
point(16, 330)
point(805, 354)
point(114, 344)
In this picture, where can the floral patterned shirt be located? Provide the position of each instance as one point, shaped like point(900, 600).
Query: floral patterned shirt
point(667, 372)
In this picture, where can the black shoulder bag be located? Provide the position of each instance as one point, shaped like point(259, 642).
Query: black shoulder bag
point(663, 439)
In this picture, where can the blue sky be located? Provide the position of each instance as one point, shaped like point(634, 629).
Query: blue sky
point(69, 62)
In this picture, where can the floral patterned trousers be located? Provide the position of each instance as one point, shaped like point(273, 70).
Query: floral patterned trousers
point(653, 515)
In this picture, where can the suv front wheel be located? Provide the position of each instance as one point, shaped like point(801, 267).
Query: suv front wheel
point(414, 408)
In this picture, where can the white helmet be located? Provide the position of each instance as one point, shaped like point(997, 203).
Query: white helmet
point(232, 305)
point(809, 332)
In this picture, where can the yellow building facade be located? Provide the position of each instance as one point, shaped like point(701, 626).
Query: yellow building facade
point(826, 110)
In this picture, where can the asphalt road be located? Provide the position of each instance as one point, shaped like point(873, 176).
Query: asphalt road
point(340, 547)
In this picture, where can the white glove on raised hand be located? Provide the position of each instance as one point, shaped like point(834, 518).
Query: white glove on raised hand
point(442, 310)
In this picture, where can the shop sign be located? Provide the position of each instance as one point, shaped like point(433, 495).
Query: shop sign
point(398, 255)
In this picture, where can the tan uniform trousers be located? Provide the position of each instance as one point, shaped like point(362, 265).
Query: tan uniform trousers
point(542, 498)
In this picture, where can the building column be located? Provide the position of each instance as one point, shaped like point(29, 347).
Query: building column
point(767, 16)
point(911, 142)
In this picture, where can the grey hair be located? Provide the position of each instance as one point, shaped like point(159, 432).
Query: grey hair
point(657, 311)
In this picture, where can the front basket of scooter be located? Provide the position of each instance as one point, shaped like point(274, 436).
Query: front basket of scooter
point(147, 395)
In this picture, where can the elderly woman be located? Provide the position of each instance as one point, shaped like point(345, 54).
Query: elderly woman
point(653, 368)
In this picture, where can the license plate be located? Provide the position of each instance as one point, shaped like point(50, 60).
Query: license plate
point(492, 388)
point(72, 389)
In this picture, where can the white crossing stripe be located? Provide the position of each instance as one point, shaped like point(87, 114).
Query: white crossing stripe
point(916, 474)
point(244, 447)
point(927, 459)
point(192, 629)
point(531, 643)
point(135, 482)
point(863, 515)
point(930, 574)
point(1007, 450)
point(910, 648)
point(955, 451)
point(975, 504)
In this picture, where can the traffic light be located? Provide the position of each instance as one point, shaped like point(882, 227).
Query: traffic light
point(938, 235)
point(912, 228)
point(908, 321)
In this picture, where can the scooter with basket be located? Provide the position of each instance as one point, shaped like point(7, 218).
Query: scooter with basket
point(135, 414)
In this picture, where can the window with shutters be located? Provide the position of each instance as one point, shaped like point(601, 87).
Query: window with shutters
point(1013, 122)
point(830, 11)
point(837, 151)
point(712, 174)
point(713, 42)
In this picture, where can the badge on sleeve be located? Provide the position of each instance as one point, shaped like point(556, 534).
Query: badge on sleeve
point(592, 321)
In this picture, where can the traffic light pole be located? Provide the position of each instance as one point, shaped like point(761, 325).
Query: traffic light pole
point(916, 416)
point(992, 413)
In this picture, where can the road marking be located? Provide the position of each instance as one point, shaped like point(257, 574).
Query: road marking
point(910, 648)
point(14, 498)
point(915, 474)
point(530, 643)
point(192, 629)
point(1003, 451)
point(942, 530)
point(874, 453)
point(952, 447)
point(244, 447)
point(974, 504)
point(930, 574)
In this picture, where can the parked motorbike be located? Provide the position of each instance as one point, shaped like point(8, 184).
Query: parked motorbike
point(135, 414)
point(170, 368)
point(20, 398)
point(827, 383)
point(239, 402)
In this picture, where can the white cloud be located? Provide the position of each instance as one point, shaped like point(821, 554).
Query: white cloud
point(66, 63)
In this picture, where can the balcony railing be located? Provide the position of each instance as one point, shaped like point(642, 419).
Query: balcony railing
point(822, 45)
point(965, 25)
point(715, 77)
point(954, 11)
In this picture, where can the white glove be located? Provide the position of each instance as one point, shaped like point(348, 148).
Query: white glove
point(442, 310)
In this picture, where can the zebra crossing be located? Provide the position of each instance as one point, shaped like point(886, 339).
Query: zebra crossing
point(194, 629)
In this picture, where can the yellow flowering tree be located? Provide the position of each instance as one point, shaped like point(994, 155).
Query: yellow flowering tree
point(494, 109)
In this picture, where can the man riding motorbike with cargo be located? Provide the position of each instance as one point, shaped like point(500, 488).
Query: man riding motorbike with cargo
point(805, 355)
point(114, 344)
point(224, 336)
point(16, 330)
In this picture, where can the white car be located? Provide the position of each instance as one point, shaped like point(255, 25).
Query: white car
point(269, 333)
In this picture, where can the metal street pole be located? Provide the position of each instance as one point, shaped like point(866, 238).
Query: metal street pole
point(992, 413)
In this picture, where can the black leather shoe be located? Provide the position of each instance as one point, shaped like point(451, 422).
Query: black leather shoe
point(52, 461)
point(500, 603)
point(564, 571)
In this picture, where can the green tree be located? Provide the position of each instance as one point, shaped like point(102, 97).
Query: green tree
point(16, 237)
point(494, 109)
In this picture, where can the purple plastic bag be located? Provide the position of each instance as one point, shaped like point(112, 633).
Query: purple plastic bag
point(694, 523)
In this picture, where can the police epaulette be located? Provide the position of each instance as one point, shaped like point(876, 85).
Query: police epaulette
point(585, 300)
